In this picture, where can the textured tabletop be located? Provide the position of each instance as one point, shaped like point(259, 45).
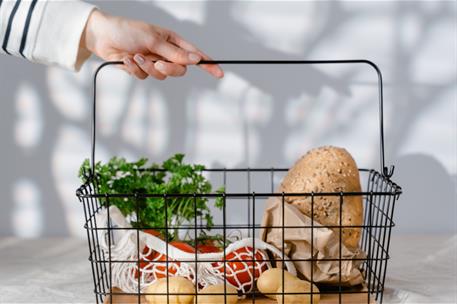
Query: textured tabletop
point(423, 269)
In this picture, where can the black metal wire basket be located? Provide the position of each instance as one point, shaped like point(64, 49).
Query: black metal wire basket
point(379, 195)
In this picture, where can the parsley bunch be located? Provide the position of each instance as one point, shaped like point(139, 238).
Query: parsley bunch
point(172, 177)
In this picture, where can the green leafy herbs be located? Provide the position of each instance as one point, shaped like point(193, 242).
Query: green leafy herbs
point(172, 177)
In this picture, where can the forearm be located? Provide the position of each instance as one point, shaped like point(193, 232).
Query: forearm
point(89, 41)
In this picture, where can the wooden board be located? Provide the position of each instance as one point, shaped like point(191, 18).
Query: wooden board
point(354, 298)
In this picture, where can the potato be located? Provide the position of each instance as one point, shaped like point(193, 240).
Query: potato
point(270, 280)
point(298, 286)
point(232, 295)
point(183, 286)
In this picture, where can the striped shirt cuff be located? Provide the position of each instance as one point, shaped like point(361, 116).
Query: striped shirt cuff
point(59, 34)
point(46, 32)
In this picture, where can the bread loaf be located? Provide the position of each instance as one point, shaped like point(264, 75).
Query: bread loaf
point(328, 169)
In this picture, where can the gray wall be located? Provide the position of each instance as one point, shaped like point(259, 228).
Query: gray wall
point(256, 116)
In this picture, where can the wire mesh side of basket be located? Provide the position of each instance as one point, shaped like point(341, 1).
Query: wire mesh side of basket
point(379, 197)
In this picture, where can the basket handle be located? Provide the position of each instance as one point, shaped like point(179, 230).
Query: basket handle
point(386, 171)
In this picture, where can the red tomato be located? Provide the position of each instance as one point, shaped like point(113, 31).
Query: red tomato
point(150, 254)
point(205, 248)
point(153, 232)
point(183, 246)
point(242, 274)
point(160, 268)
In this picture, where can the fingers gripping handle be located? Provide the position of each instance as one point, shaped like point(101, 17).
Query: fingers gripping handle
point(386, 171)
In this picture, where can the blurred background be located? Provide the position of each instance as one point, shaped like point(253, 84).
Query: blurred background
point(255, 116)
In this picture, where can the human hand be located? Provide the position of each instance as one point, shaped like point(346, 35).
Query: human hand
point(145, 49)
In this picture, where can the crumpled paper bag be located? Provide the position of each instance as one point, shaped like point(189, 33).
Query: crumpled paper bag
point(298, 245)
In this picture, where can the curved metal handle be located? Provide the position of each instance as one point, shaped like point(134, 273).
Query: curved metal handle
point(386, 171)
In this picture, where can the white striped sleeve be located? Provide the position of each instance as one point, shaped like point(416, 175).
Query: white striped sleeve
point(44, 31)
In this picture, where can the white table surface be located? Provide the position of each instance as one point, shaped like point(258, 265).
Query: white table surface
point(423, 269)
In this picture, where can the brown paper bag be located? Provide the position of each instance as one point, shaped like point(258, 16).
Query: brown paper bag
point(297, 245)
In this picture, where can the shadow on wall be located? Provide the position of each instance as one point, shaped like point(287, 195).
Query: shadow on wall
point(52, 182)
point(429, 192)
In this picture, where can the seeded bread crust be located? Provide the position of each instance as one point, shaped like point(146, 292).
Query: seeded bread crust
point(328, 169)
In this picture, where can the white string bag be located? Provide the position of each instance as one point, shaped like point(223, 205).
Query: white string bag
point(205, 271)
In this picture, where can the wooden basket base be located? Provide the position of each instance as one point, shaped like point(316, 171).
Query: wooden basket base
point(354, 298)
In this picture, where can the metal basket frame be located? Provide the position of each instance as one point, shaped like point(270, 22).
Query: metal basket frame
point(379, 199)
